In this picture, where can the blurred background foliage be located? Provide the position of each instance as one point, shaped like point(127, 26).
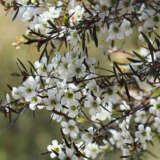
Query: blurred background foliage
point(29, 136)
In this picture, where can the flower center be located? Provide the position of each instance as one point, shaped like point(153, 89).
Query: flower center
point(110, 91)
point(70, 95)
point(71, 127)
point(53, 102)
point(73, 108)
point(28, 90)
point(66, 65)
point(94, 150)
point(94, 104)
point(34, 99)
point(158, 106)
point(56, 149)
point(115, 29)
point(78, 70)
point(43, 68)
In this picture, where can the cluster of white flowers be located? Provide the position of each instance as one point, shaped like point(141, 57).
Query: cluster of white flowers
point(74, 97)
point(96, 113)
point(119, 32)
point(60, 20)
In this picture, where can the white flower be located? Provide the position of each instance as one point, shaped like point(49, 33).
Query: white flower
point(144, 52)
point(55, 12)
point(8, 101)
point(44, 17)
point(119, 32)
point(56, 60)
point(17, 93)
point(36, 24)
point(67, 154)
point(107, 3)
point(93, 86)
point(88, 137)
point(56, 117)
point(147, 25)
point(53, 100)
point(125, 153)
point(126, 28)
point(124, 106)
point(116, 138)
point(41, 67)
point(104, 114)
point(70, 128)
point(125, 6)
point(29, 88)
point(70, 153)
point(141, 117)
point(111, 95)
point(91, 150)
point(27, 13)
point(23, 2)
point(93, 104)
point(64, 70)
point(156, 124)
point(71, 97)
point(78, 69)
point(157, 54)
point(155, 109)
point(73, 110)
point(54, 147)
point(35, 102)
point(76, 14)
point(143, 134)
point(114, 32)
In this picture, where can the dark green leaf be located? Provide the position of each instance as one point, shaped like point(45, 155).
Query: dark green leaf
point(134, 60)
point(139, 56)
point(83, 41)
point(23, 66)
point(157, 42)
point(116, 75)
point(95, 36)
point(9, 87)
point(127, 91)
point(150, 46)
point(15, 74)
point(43, 52)
point(87, 10)
point(30, 63)
point(116, 65)
point(51, 24)
point(15, 15)
point(52, 45)
point(91, 2)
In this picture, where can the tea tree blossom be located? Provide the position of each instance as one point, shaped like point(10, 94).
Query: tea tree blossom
point(76, 14)
point(54, 147)
point(143, 134)
point(29, 88)
point(70, 128)
point(80, 99)
point(92, 150)
point(99, 109)
point(92, 103)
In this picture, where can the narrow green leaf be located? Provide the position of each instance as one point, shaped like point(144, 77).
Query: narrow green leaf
point(15, 15)
point(134, 60)
point(95, 36)
point(150, 46)
point(23, 66)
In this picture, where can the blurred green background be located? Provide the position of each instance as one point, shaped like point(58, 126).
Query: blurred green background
point(29, 137)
